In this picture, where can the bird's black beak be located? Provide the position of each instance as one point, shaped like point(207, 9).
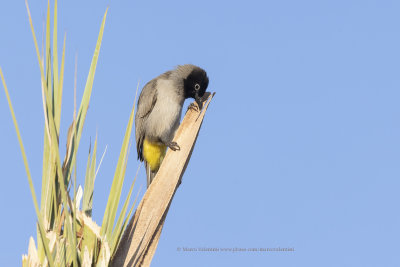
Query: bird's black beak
point(199, 101)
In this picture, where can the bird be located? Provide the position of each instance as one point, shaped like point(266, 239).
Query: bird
point(159, 110)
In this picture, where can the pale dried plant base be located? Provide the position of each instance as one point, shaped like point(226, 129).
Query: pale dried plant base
point(57, 247)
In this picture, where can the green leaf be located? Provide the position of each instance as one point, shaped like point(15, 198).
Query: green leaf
point(87, 201)
point(118, 227)
point(121, 223)
point(85, 99)
point(52, 135)
point(61, 82)
point(116, 187)
point(28, 173)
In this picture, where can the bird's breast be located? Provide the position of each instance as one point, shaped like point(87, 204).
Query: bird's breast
point(164, 118)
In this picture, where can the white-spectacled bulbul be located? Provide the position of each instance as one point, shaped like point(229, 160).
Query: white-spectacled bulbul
point(159, 111)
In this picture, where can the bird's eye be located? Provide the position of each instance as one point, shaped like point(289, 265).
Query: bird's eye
point(197, 87)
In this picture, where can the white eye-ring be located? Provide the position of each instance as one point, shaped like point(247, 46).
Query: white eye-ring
point(197, 87)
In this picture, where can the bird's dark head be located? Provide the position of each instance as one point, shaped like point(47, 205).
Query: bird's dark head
point(195, 85)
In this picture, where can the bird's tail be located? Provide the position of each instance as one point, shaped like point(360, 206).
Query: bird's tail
point(150, 174)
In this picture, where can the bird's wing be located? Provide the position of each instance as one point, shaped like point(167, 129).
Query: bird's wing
point(146, 102)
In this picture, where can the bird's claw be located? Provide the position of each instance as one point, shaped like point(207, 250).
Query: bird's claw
point(174, 146)
point(193, 107)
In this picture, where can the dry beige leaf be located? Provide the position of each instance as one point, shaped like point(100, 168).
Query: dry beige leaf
point(87, 258)
point(33, 259)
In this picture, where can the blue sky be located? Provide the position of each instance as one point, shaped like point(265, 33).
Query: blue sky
point(299, 148)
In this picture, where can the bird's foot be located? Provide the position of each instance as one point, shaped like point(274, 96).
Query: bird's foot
point(193, 107)
point(173, 146)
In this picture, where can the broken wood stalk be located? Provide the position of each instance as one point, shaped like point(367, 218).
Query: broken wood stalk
point(140, 239)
